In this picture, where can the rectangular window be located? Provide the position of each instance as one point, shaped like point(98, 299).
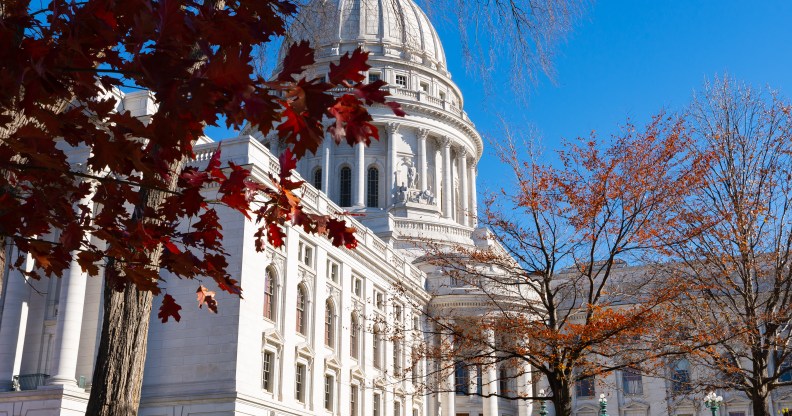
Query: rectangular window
point(358, 289)
point(503, 380)
point(266, 371)
point(461, 379)
point(379, 300)
point(353, 401)
point(377, 350)
point(479, 380)
point(376, 404)
point(328, 399)
point(397, 357)
point(333, 271)
point(401, 80)
point(584, 387)
point(374, 77)
point(424, 87)
point(632, 382)
point(306, 255)
point(299, 383)
point(442, 95)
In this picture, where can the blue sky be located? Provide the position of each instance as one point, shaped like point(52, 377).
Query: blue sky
point(632, 59)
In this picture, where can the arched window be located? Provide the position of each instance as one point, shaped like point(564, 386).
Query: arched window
point(329, 323)
point(302, 308)
point(270, 298)
point(345, 187)
point(317, 178)
point(372, 195)
point(354, 338)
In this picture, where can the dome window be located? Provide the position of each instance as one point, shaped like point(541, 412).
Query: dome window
point(372, 197)
point(317, 178)
point(374, 77)
point(345, 187)
point(401, 80)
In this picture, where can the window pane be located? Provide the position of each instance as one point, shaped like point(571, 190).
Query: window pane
point(461, 378)
point(267, 371)
point(329, 327)
point(269, 294)
point(372, 198)
point(317, 178)
point(632, 382)
point(345, 187)
point(299, 379)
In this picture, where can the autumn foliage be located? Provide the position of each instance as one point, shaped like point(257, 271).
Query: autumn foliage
point(59, 69)
point(555, 295)
point(85, 181)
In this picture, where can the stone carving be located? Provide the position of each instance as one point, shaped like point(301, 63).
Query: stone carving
point(412, 176)
point(409, 192)
point(404, 194)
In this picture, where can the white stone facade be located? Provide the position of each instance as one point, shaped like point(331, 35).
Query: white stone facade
point(270, 353)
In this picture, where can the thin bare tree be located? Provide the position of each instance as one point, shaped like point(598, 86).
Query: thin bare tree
point(741, 262)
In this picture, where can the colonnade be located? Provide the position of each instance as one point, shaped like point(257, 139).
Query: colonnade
point(17, 301)
point(443, 187)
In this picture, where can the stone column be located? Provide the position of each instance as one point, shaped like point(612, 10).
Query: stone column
point(14, 322)
point(473, 197)
point(490, 383)
point(448, 179)
point(423, 161)
point(91, 322)
point(392, 163)
point(463, 176)
point(525, 407)
point(69, 323)
point(360, 182)
point(326, 166)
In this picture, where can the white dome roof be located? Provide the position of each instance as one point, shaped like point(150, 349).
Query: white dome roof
point(382, 27)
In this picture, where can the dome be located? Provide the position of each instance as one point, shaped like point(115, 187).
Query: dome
point(395, 28)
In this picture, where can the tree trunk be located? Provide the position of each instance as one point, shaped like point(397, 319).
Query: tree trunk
point(562, 398)
point(759, 404)
point(118, 375)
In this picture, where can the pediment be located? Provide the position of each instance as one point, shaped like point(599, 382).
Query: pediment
point(272, 336)
point(331, 362)
point(304, 349)
point(357, 373)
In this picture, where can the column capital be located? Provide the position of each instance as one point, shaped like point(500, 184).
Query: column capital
point(392, 127)
point(462, 152)
point(444, 141)
point(423, 133)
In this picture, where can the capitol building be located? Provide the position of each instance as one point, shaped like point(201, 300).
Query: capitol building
point(309, 337)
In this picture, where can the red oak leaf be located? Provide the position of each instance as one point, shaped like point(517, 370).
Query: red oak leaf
point(350, 67)
point(297, 58)
point(169, 308)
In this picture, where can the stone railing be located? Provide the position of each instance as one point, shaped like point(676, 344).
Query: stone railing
point(245, 150)
point(413, 227)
